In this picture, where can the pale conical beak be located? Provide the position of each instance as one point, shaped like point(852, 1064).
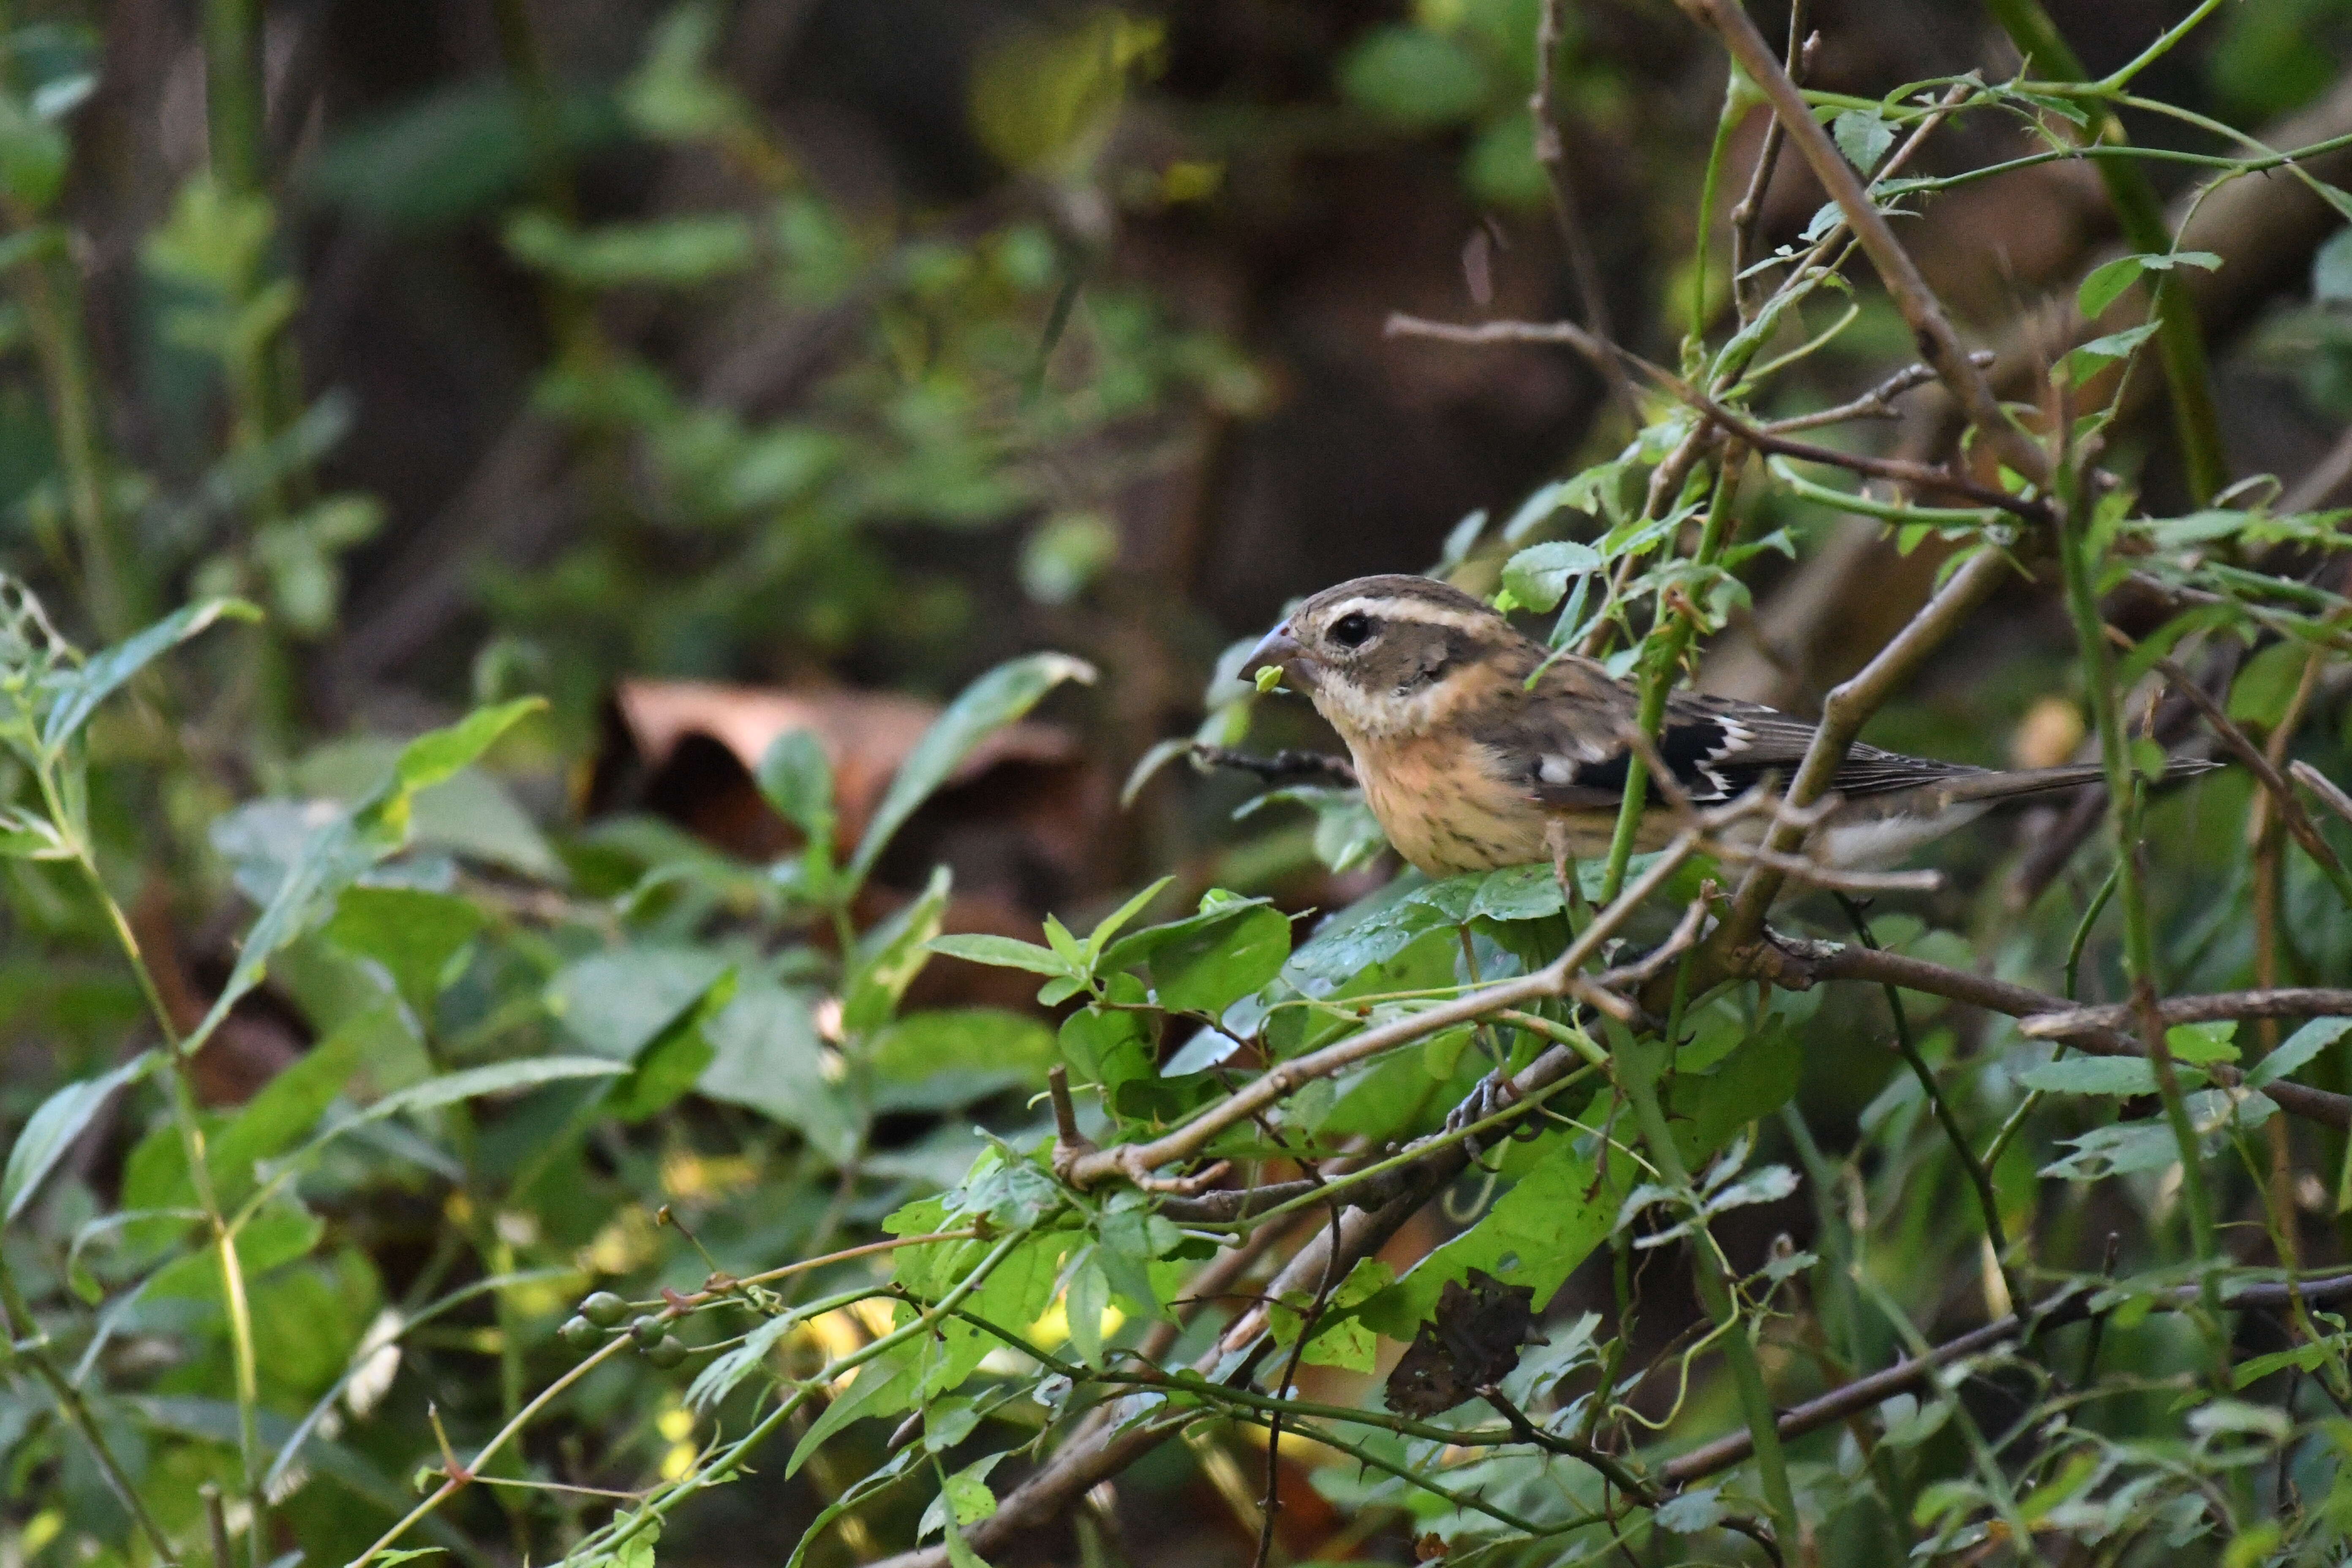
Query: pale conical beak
point(1275, 650)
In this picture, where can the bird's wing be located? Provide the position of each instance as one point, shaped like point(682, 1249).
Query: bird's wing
point(1568, 745)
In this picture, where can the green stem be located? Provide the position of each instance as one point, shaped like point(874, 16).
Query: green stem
point(24, 1343)
point(234, 1302)
point(2181, 341)
point(1736, 102)
point(1662, 659)
point(1639, 1066)
point(2124, 795)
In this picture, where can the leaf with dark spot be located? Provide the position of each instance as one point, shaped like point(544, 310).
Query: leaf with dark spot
point(1472, 1343)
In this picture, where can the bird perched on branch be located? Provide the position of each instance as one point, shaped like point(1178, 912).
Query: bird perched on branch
point(1470, 764)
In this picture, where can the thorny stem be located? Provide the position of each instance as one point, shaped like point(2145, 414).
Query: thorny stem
point(1662, 662)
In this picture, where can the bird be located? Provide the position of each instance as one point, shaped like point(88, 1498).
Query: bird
point(1479, 748)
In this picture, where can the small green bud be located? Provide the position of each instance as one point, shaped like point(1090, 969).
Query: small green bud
point(666, 1352)
point(604, 1309)
point(579, 1333)
point(647, 1331)
point(1269, 677)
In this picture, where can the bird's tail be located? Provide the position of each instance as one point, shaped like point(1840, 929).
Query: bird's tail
point(1999, 785)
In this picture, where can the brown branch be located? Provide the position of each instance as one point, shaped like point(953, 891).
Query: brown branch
point(1135, 1162)
point(2291, 813)
point(1750, 209)
point(1902, 470)
point(1938, 344)
point(1551, 156)
point(1878, 403)
point(2284, 1002)
point(1797, 965)
point(1849, 705)
point(1851, 1398)
point(2326, 788)
point(1565, 334)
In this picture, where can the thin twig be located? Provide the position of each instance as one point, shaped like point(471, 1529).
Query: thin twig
point(1939, 343)
point(1275, 766)
point(1551, 156)
point(2291, 815)
point(2326, 788)
point(2284, 1002)
point(1749, 211)
point(1878, 403)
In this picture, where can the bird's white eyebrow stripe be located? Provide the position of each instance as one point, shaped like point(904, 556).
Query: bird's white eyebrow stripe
point(1410, 609)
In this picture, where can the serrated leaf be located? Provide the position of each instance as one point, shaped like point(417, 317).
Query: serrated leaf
point(2086, 359)
point(2296, 1049)
point(1687, 1513)
point(1537, 576)
point(1863, 136)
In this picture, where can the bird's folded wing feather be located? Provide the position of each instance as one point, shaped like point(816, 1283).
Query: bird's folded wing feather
point(1567, 743)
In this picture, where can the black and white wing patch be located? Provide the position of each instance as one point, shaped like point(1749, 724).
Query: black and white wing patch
point(1717, 750)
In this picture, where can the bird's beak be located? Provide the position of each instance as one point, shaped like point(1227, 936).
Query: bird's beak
point(1275, 650)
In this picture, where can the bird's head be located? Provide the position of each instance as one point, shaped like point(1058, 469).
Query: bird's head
point(1378, 654)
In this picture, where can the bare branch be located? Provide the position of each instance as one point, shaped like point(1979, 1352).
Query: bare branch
point(1863, 1393)
point(1939, 345)
point(2284, 1002)
point(1878, 403)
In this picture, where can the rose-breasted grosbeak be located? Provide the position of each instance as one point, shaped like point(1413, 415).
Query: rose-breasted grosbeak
point(1469, 767)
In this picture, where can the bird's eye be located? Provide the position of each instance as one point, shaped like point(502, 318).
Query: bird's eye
point(1351, 630)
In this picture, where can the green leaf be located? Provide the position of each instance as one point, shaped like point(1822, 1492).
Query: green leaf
point(2296, 1049)
point(1537, 576)
point(2086, 359)
point(672, 252)
point(2123, 1075)
point(1003, 952)
point(997, 699)
point(438, 756)
point(887, 958)
point(941, 1059)
point(2106, 283)
point(1535, 1235)
point(473, 1083)
point(1108, 1046)
point(2199, 1043)
point(53, 1125)
point(617, 1004)
point(959, 1551)
point(672, 1064)
point(964, 1499)
point(767, 1057)
point(412, 934)
point(287, 1106)
point(1688, 1513)
point(1414, 77)
point(796, 778)
point(1863, 136)
point(338, 851)
point(2331, 269)
point(78, 696)
point(2266, 683)
point(882, 1386)
point(1111, 924)
point(1206, 970)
